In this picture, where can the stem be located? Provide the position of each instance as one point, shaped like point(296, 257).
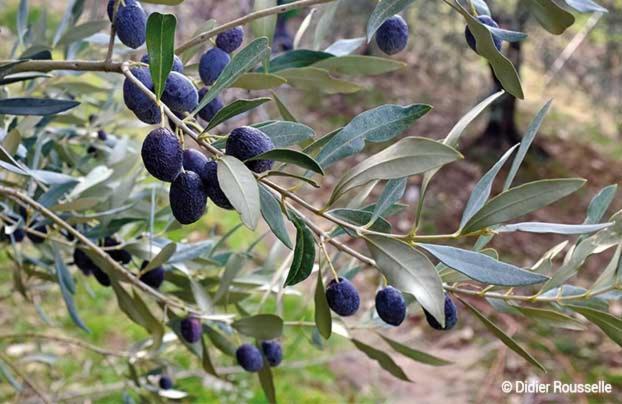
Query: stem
point(113, 33)
point(531, 298)
point(77, 65)
point(123, 273)
point(197, 40)
point(330, 264)
point(216, 152)
point(65, 340)
point(24, 377)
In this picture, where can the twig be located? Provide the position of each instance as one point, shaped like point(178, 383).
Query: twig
point(197, 40)
point(531, 298)
point(25, 378)
point(65, 340)
point(113, 33)
point(49, 65)
point(119, 269)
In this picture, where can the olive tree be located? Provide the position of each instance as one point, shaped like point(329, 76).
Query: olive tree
point(77, 201)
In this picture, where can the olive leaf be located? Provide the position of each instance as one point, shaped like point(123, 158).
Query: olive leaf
point(239, 185)
point(503, 337)
point(482, 268)
point(526, 142)
point(359, 65)
point(385, 9)
point(67, 288)
point(296, 59)
point(322, 315)
point(410, 271)
point(504, 71)
point(236, 108)
point(409, 156)
point(482, 189)
point(551, 16)
point(304, 253)
point(240, 63)
point(35, 106)
point(376, 125)
point(384, 360)
point(284, 133)
point(313, 78)
point(161, 48)
point(272, 214)
point(521, 200)
point(417, 356)
point(260, 326)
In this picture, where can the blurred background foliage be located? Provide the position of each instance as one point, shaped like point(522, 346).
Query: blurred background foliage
point(581, 137)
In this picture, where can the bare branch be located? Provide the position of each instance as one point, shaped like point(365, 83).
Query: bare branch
point(197, 40)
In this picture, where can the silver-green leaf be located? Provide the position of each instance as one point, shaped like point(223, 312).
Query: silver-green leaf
point(410, 271)
point(239, 185)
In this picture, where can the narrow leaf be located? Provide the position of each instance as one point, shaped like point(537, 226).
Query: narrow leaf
point(290, 156)
point(161, 48)
point(526, 142)
point(283, 110)
point(35, 106)
point(385, 9)
point(551, 317)
point(267, 383)
point(322, 315)
point(239, 185)
point(162, 258)
point(376, 125)
point(502, 67)
point(409, 156)
point(609, 324)
point(483, 268)
point(314, 79)
point(67, 288)
point(555, 228)
point(236, 108)
point(284, 134)
point(410, 271)
point(359, 65)
point(304, 253)
point(260, 326)
point(392, 193)
point(521, 200)
point(414, 354)
point(242, 62)
point(506, 339)
point(482, 189)
point(272, 214)
point(551, 16)
point(384, 360)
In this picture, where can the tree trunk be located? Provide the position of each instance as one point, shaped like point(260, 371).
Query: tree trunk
point(501, 131)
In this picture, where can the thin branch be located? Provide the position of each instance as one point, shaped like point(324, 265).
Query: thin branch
point(65, 340)
point(216, 152)
point(113, 32)
point(49, 65)
point(197, 40)
point(537, 298)
point(122, 272)
point(25, 378)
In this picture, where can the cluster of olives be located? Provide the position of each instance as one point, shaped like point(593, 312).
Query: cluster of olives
point(249, 357)
point(19, 234)
point(343, 299)
point(130, 22)
point(154, 277)
point(192, 175)
point(392, 36)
